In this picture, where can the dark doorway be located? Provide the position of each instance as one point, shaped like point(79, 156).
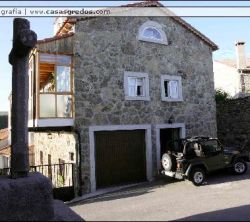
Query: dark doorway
point(167, 135)
point(120, 157)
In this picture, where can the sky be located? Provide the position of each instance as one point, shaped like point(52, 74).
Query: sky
point(224, 31)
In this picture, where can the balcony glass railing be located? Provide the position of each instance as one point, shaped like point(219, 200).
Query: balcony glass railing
point(55, 106)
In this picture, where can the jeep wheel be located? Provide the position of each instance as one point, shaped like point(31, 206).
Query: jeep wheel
point(239, 166)
point(166, 162)
point(197, 176)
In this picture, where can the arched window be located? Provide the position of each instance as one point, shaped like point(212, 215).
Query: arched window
point(152, 31)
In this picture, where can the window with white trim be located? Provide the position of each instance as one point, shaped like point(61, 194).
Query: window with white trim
point(136, 86)
point(171, 88)
point(152, 31)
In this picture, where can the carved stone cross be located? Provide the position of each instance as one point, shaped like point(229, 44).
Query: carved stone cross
point(24, 40)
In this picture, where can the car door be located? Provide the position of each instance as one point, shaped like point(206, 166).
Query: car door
point(213, 155)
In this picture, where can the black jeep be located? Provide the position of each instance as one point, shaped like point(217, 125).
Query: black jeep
point(193, 158)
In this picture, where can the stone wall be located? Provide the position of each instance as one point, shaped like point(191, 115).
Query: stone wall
point(245, 83)
point(233, 121)
point(107, 47)
point(57, 144)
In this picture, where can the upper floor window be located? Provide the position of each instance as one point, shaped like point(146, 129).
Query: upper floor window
point(136, 86)
point(171, 88)
point(55, 86)
point(152, 31)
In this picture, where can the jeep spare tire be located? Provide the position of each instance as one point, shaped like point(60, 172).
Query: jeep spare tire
point(167, 162)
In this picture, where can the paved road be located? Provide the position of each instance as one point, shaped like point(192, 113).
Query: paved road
point(224, 197)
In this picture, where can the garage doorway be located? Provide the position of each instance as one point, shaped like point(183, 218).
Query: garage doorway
point(101, 135)
point(120, 157)
point(165, 133)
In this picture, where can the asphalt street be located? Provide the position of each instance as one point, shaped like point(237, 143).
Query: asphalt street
point(224, 197)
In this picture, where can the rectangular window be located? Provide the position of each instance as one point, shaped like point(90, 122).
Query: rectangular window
point(64, 104)
point(63, 78)
point(49, 167)
point(47, 105)
point(71, 156)
point(166, 88)
point(136, 86)
point(55, 86)
point(171, 88)
point(61, 167)
point(139, 87)
point(210, 146)
point(41, 157)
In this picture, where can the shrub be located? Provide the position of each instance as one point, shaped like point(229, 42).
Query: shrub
point(221, 95)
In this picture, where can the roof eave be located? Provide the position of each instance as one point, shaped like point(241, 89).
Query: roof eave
point(55, 38)
point(154, 3)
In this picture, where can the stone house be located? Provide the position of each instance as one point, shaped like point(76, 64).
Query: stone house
point(233, 75)
point(4, 147)
point(117, 89)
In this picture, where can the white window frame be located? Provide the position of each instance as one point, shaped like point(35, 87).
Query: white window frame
point(149, 160)
point(171, 78)
point(154, 25)
point(138, 75)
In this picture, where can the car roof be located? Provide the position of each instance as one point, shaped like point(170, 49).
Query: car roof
point(199, 138)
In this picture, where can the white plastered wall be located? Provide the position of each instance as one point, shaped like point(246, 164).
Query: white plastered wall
point(226, 78)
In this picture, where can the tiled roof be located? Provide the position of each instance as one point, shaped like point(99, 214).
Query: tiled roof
point(147, 3)
point(5, 150)
point(4, 134)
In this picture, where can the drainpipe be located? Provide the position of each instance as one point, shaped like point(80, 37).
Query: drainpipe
point(79, 161)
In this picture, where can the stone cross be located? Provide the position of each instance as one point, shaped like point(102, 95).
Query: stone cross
point(24, 40)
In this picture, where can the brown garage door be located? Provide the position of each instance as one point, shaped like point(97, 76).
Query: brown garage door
point(120, 157)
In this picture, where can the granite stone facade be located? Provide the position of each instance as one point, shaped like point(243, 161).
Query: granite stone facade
point(105, 48)
point(245, 84)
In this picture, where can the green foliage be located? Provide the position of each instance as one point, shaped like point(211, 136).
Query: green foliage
point(60, 181)
point(221, 95)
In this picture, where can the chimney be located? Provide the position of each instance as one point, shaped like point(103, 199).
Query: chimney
point(241, 55)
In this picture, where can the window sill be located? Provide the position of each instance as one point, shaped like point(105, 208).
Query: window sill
point(152, 41)
point(172, 100)
point(52, 122)
point(144, 98)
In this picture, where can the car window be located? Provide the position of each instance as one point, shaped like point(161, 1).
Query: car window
point(176, 145)
point(210, 146)
point(189, 147)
